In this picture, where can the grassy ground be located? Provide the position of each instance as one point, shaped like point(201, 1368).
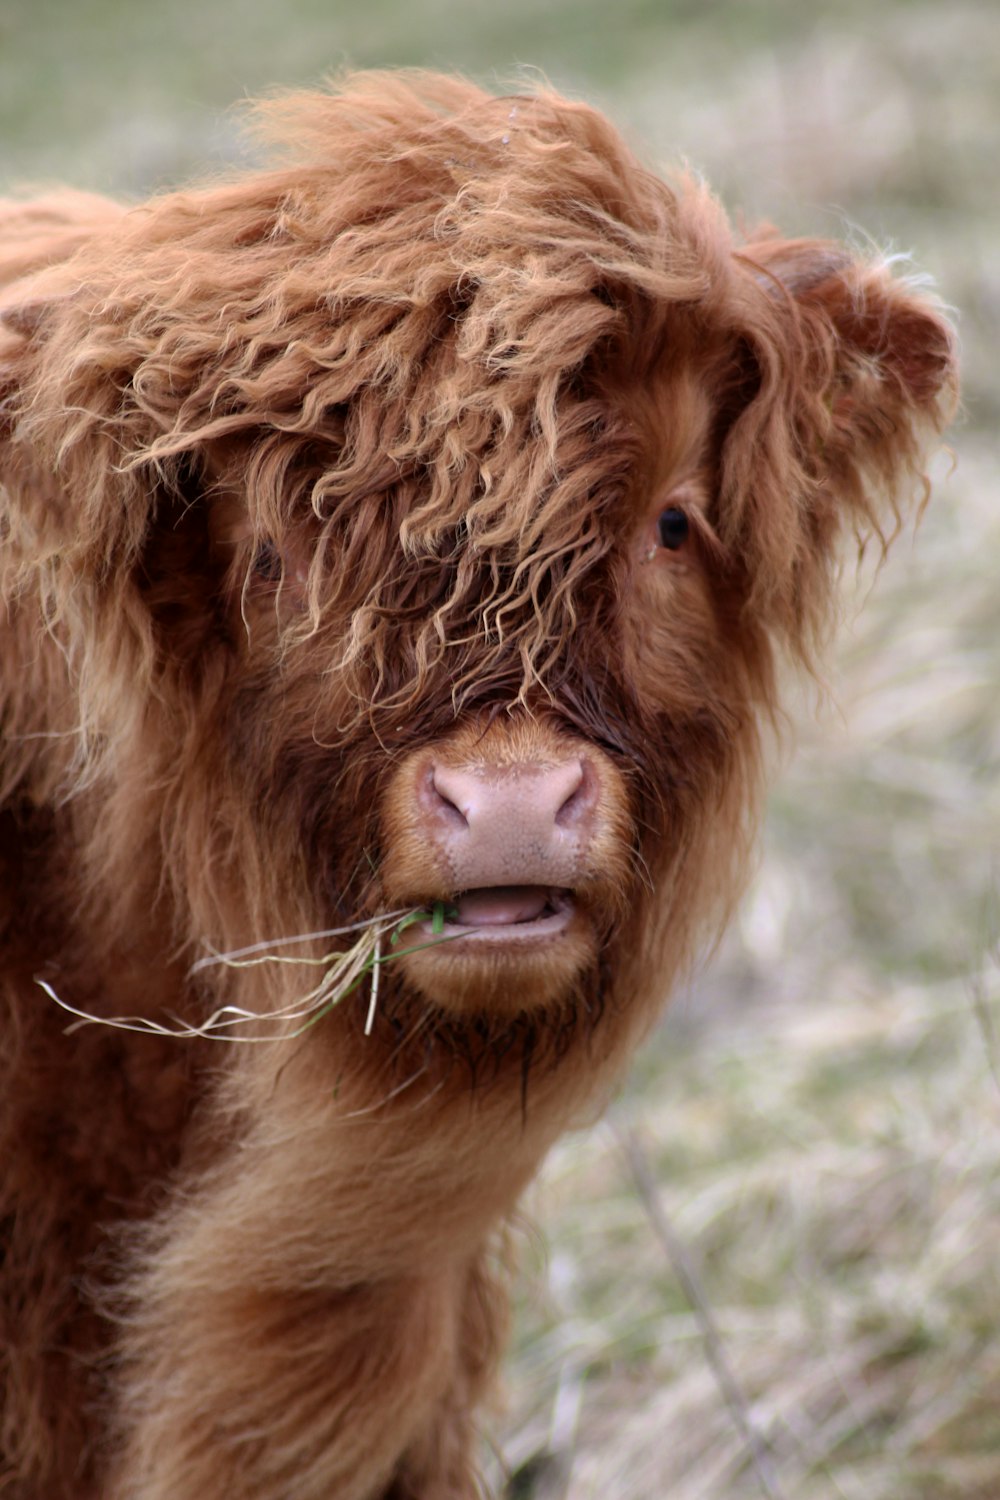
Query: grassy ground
point(774, 1272)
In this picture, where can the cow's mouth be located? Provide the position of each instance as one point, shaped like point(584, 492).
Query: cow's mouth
point(506, 914)
point(499, 949)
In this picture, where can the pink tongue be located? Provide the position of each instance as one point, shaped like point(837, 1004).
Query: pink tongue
point(502, 905)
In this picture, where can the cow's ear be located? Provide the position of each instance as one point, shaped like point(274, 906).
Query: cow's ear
point(19, 324)
point(25, 318)
point(856, 372)
point(39, 238)
point(23, 325)
point(879, 353)
point(69, 430)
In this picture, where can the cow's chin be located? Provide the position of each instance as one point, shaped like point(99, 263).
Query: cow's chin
point(502, 951)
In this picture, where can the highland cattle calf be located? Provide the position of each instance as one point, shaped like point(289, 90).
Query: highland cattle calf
point(404, 533)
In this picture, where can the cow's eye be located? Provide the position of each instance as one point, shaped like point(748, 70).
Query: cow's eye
point(267, 563)
point(672, 526)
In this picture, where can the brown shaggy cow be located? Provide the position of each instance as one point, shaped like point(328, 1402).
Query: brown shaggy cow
point(418, 519)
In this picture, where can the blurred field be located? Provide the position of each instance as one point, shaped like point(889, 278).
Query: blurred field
point(821, 1110)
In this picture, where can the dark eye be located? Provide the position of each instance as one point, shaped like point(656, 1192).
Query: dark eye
point(267, 563)
point(673, 528)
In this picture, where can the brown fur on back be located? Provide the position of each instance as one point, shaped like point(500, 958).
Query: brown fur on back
point(318, 484)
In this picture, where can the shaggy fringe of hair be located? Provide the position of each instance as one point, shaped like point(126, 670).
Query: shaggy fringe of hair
point(437, 425)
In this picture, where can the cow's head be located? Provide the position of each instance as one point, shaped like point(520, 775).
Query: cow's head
point(420, 518)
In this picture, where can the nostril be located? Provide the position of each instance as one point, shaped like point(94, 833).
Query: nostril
point(449, 794)
point(575, 794)
point(534, 799)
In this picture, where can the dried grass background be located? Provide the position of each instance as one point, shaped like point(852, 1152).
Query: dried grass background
point(812, 1265)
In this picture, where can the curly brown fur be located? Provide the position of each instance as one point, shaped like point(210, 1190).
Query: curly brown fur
point(332, 519)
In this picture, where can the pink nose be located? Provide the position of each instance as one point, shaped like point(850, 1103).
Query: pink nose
point(520, 824)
